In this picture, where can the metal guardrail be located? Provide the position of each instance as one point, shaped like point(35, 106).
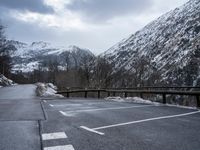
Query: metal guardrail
point(141, 92)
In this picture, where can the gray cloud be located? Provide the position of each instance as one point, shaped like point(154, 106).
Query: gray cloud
point(101, 10)
point(97, 39)
point(31, 5)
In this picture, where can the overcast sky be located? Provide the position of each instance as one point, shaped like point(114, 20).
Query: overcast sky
point(93, 24)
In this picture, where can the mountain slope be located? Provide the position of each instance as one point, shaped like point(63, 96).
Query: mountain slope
point(28, 57)
point(170, 45)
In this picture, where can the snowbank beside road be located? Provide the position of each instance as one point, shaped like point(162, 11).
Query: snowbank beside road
point(144, 101)
point(47, 90)
point(5, 81)
point(131, 99)
point(116, 99)
point(140, 100)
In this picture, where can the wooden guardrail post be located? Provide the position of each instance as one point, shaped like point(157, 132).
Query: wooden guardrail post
point(113, 93)
point(141, 95)
point(198, 100)
point(125, 94)
point(67, 94)
point(108, 94)
point(164, 98)
point(98, 93)
point(86, 94)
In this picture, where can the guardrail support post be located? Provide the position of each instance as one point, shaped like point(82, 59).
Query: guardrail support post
point(85, 94)
point(67, 94)
point(108, 94)
point(113, 93)
point(198, 100)
point(98, 93)
point(141, 95)
point(164, 98)
point(125, 94)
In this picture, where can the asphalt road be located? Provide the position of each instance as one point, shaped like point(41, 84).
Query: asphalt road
point(17, 92)
point(30, 123)
point(20, 112)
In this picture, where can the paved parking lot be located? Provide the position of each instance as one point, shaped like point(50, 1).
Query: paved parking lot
point(81, 124)
point(30, 123)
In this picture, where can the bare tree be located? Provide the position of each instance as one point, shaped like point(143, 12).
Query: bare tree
point(53, 70)
point(6, 48)
point(102, 73)
point(86, 69)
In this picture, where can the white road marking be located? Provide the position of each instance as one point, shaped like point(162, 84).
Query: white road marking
point(145, 120)
point(138, 121)
point(76, 109)
point(45, 101)
point(51, 105)
point(62, 105)
point(55, 135)
point(65, 114)
point(62, 147)
point(110, 108)
point(91, 130)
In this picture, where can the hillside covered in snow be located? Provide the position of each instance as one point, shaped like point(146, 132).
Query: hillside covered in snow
point(28, 57)
point(166, 50)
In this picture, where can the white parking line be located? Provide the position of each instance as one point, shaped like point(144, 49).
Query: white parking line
point(51, 105)
point(55, 135)
point(138, 121)
point(63, 113)
point(62, 147)
point(101, 109)
point(45, 101)
point(91, 130)
point(63, 105)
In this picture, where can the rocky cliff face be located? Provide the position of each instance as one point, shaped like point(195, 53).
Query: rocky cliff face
point(169, 46)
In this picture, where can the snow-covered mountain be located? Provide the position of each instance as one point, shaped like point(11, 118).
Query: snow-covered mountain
point(28, 57)
point(170, 45)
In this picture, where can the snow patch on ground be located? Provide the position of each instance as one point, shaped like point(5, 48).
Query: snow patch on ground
point(5, 81)
point(117, 99)
point(144, 101)
point(179, 106)
point(47, 90)
point(140, 100)
point(131, 99)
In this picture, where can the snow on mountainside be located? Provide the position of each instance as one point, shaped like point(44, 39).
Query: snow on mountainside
point(28, 57)
point(171, 44)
